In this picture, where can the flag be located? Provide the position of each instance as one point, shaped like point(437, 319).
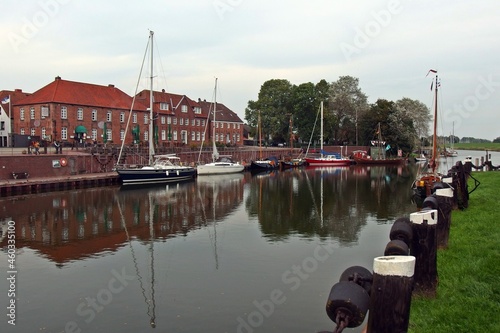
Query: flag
point(388, 147)
point(432, 71)
point(6, 100)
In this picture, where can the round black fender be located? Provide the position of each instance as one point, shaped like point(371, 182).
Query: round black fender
point(402, 230)
point(396, 248)
point(359, 275)
point(430, 202)
point(348, 300)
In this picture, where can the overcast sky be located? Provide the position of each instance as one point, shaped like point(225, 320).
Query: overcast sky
point(389, 45)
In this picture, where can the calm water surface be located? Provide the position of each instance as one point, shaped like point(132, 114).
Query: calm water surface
point(239, 253)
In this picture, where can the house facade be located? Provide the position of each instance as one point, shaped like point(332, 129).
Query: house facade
point(8, 98)
point(69, 111)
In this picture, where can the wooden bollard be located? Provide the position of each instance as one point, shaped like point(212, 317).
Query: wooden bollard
point(424, 248)
point(444, 197)
point(390, 298)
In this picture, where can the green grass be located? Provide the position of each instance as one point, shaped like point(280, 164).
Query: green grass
point(478, 146)
point(468, 294)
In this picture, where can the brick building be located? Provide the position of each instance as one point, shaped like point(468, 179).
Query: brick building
point(67, 110)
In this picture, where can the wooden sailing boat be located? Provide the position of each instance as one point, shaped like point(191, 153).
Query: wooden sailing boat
point(160, 168)
point(362, 157)
point(290, 161)
point(221, 164)
point(423, 185)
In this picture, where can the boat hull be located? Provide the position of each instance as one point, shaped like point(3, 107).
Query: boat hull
point(219, 168)
point(370, 161)
point(327, 162)
point(148, 176)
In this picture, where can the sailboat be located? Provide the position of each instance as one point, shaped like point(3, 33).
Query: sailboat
point(327, 159)
point(289, 161)
point(423, 185)
point(221, 164)
point(361, 156)
point(269, 163)
point(160, 168)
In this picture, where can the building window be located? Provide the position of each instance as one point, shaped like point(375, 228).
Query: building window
point(175, 136)
point(21, 114)
point(122, 117)
point(175, 121)
point(64, 112)
point(64, 133)
point(184, 137)
point(181, 121)
point(193, 136)
point(238, 126)
point(162, 119)
point(108, 116)
point(32, 113)
point(2, 126)
point(94, 115)
point(134, 118)
point(44, 111)
point(22, 131)
point(94, 134)
point(146, 118)
point(197, 110)
point(122, 134)
point(198, 136)
point(146, 135)
point(164, 106)
point(203, 122)
point(79, 114)
point(163, 135)
point(169, 120)
point(43, 133)
point(193, 122)
point(203, 137)
point(197, 122)
point(187, 122)
point(184, 108)
point(33, 132)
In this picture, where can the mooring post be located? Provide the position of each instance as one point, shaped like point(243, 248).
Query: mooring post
point(424, 248)
point(444, 197)
point(390, 298)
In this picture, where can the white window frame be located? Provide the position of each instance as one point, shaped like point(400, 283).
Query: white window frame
point(64, 112)
point(79, 114)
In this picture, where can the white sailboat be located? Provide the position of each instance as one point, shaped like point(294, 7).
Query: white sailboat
point(160, 168)
point(221, 164)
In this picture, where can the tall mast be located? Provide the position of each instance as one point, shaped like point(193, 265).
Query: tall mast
point(321, 135)
point(151, 128)
point(260, 137)
point(215, 153)
point(434, 137)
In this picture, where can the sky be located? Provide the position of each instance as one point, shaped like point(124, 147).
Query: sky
point(388, 45)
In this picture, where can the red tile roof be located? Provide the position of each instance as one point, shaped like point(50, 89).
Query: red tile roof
point(223, 113)
point(78, 93)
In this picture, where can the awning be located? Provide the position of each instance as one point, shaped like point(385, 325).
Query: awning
point(80, 129)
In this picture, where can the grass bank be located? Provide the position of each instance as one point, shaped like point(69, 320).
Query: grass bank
point(478, 146)
point(468, 295)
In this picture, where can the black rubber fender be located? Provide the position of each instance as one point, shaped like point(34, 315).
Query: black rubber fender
point(351, 300)
point(396, 248)
point(402, 230)
point(359, 275)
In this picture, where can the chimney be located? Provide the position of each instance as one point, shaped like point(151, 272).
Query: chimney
point(111, 85)
point(58, 78)
point(18, 90)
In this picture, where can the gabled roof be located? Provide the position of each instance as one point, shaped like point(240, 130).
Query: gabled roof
point(79, 93)
point(15, 96)
point(173, 100)
point(223, 113)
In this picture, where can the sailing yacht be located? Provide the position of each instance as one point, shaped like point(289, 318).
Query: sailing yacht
point(221, 164)
point(327, 159)
point(160, 168)
point(423, 185)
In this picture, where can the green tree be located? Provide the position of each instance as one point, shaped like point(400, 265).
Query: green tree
point(347, 103)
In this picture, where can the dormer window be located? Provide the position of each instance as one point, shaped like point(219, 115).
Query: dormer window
point(184, 108)
point(164, 106)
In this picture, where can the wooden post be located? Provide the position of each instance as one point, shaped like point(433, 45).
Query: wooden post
point(424, 248)
point(445, 203)
point(390, 296)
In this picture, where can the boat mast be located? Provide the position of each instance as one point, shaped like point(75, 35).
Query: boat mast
point(260, 138)
point(434, 137)
point(215, 153)
point(151, 138)
point(321, 134)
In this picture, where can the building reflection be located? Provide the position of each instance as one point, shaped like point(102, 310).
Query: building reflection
point(67, 226)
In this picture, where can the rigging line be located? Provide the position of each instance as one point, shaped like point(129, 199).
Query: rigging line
point(206, 125)
point(133, 100)
point(312, 133)
point(158, 57)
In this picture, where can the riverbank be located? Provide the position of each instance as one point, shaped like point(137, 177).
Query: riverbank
point(489, 146)
point(468, 294)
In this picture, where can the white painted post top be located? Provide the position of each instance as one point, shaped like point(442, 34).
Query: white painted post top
point(444, 192)
point(394, 266)
point(447, 180)
point(425, 215)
